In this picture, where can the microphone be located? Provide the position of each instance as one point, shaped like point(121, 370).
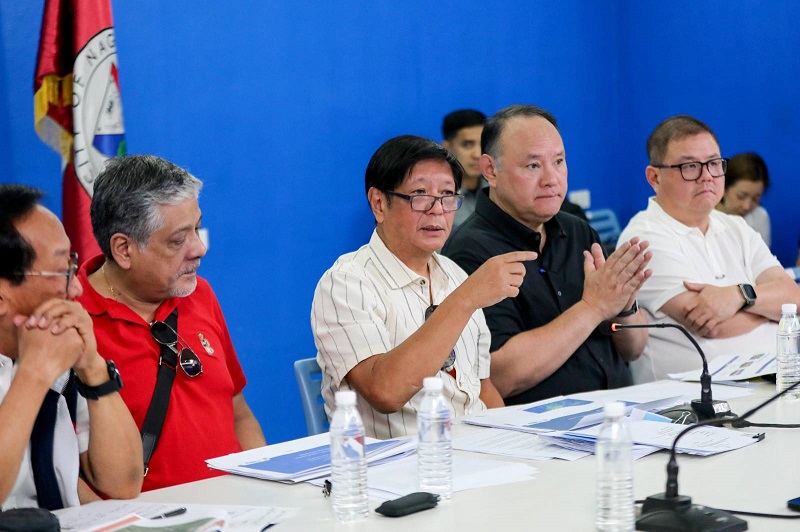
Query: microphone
point(705, 407)
point(669, 511)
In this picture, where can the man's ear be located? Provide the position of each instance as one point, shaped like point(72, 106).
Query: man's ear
point(447, 144)
point(378, 203)
point(653, 177)
point(121, 248)
point(488, 166)
point(4, 300)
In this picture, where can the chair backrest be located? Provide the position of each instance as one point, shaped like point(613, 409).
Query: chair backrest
point(309, 381)
point(604, 221)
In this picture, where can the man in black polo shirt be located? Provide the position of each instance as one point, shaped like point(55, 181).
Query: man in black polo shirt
point(544, 341)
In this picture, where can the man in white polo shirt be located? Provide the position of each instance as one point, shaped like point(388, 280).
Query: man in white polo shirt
point(711, 271)
point(395, 311)
point(43, 336)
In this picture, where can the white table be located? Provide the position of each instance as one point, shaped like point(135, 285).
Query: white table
point(760, 477)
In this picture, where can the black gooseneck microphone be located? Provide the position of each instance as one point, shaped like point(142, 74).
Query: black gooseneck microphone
point(705, 407)
point(669, 511)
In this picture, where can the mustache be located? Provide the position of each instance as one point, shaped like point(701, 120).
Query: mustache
point(190, 268)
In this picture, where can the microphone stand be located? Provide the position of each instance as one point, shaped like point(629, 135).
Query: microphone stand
point(669, 511)
point(705, 407)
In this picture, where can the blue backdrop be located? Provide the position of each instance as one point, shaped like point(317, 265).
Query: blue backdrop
point(277, 107)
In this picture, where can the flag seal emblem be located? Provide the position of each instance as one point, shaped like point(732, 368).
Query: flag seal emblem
point(97, 108)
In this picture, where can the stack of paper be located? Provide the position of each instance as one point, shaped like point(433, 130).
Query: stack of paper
point(557, 414)
point(134, 515)
point(733, 368)
point(515, 444)
point(702, 441)
point(392, 480)
point(303, 459)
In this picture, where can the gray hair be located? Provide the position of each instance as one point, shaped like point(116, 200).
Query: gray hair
point(128, 194)
point(490, 137)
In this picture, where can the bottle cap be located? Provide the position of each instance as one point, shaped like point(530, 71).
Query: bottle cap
point(789, 308)
point(615, 409)
point(345, 398)
point(433, 384)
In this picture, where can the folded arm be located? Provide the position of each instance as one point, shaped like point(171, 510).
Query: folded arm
point(716, 311)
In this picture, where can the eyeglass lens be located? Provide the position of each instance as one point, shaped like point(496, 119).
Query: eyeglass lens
point(693, 170)
point(71, 269)
point(423, 202)
point(166, 336)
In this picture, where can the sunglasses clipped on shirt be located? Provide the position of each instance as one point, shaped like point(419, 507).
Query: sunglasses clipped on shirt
point(168, 337)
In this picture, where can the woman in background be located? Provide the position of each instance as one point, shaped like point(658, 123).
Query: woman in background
point(745, 182)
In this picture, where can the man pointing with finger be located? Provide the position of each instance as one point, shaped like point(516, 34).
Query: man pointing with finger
point(395, 311)
point(544, 341)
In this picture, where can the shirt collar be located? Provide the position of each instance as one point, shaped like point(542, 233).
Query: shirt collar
point(397, 274)
point(97, 304)
point(715, 225)
point(507, 225)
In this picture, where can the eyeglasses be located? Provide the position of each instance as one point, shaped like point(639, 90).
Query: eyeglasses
point(69, 273)
point(449, 365)
point(692, 170)
point(168, 337)
point(425, 202)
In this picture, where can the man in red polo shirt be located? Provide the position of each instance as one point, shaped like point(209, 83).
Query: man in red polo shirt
point(145, 216)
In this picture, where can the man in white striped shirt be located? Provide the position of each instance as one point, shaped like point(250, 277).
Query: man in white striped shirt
point(373, 312)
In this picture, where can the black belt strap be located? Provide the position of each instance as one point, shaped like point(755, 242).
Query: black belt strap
point(157, 411)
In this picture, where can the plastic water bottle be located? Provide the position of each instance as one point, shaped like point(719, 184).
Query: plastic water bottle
point(788, 351)
point(348, 464)
point(435, 450)
point(615, 510)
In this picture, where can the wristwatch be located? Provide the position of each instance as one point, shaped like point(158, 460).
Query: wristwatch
point(749, 295)
point(113, 384)
point(630, 312)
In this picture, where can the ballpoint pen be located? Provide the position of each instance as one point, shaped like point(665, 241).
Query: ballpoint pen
point(171, 513)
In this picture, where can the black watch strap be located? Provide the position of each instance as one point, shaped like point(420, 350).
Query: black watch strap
point(113, 384)
point(630, 312)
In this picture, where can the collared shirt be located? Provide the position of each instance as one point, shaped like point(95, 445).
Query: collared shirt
point(368, 303)
point(200, 421)
point(553, 283)
point(730, 253)
point(69, 442)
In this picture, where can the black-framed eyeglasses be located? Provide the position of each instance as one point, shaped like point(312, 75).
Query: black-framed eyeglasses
point(69, 273)
point(167, 336)
point(692, 170)
point(425, 202)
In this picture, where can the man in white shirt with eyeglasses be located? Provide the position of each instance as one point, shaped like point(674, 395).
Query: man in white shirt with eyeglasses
point(712, 273)
point(43, 336)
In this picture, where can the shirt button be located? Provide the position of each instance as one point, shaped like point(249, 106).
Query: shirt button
point(559, 293)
